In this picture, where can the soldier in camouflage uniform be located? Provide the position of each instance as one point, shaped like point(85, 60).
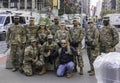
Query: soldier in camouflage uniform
point(42, 33)
point(16, 39)
point(55, 26)
point(32, 60)
point(31, 31)
point(109, 37)
point(92, 42)
point(62, 34)
point(76, 37)
point(48, 48)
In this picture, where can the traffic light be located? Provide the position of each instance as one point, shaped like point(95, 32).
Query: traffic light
point(55, 3)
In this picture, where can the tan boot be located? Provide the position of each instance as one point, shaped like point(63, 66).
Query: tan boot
point(43, 71)
point(68, 75)
point(81, 71)
point(14, 69)
point(92, 73)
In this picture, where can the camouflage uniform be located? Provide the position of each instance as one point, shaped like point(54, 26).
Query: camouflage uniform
point(109, 38)
point(16, 39)
point(62, 34)
point(31, 54)
point(76, 36)
point(31, 32)
point(42, 35)
point(53, 28)
point(49, 48)
point(92, 42)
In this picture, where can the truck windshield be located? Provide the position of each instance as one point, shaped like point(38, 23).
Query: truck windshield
point(2, 18)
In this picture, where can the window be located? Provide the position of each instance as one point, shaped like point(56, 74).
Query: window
point(7, 21)
point(2, 18)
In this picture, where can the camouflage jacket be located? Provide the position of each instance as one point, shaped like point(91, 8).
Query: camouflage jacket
point(76, 34)
point(93, 36)
point(15, 34)
point(59, 35)
point(30, 53)
point(54, 28)
point(46, 47)
point(42, 36)
point(31, 32)
point(109, 36)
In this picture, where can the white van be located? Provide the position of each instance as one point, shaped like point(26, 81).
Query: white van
point(114, 19)
point(7, 19)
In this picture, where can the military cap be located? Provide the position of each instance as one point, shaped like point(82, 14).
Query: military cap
point(57, 17)
point(62, 23)
point(75, 18)
point(42, 23)
point(32, 18)
point(90, 21)
point(33, 40)
point(106, 18)
point(16, 16)
point(50, 36)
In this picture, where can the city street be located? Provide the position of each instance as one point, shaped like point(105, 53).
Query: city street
point(7, 76)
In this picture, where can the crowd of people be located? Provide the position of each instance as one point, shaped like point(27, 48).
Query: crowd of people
point(35, 47)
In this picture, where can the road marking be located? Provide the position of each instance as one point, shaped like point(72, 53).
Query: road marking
point(3, 58)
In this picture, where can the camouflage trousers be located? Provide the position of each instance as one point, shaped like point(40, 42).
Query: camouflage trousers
point(16, 54)
point(79, 59)
point(29, 67)
point(92, 55)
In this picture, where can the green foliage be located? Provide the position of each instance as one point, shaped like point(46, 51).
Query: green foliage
point(67, 9)
point(104, 12)
point(46, 20)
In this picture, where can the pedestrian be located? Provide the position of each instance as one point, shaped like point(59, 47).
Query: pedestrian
point(15, 40)
point(92, 43)
point(55, 26)
point(47, 49)
point(31, 30)
point(65, 55)
point(42, 33)
point(32, 60)
point(62, 34)
point(76, 37)
point(109, 37)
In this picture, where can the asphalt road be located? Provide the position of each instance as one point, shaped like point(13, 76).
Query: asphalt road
point(7, 76)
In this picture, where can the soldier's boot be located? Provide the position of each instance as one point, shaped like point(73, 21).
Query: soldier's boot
point(21, 68)
point(89, 71)
point(14, 69)
point(92, 73)
point(68, 75)
point(81, 70)
point(75, 69)
point(43, 71)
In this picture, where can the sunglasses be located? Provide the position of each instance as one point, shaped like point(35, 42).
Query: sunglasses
point(63, 43)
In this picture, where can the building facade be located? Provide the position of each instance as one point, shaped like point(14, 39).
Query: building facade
point(84, 6)
point(25, 4)
point(106, 5)
point(118, 6)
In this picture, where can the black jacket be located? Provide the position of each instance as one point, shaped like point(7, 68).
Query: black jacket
point(64, 56)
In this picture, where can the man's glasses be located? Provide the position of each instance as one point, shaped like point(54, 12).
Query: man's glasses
point(63, 43)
